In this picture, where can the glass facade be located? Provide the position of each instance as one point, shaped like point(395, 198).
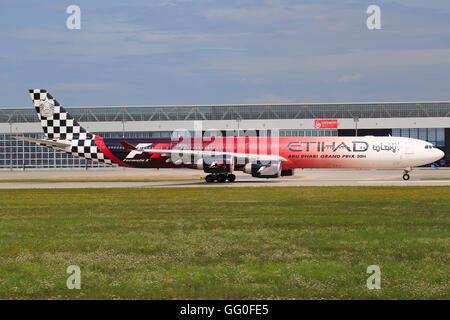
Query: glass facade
point(308, 133)
point(434, 135)
point(16, 154)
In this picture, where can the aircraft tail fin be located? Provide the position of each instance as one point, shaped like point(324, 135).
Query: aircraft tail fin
point(63, 132)
point(56, 122)
point(127, 145)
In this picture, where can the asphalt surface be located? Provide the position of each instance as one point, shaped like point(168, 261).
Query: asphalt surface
point(307, 177)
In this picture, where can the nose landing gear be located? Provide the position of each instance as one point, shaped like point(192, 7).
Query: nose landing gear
point(406, 174)
point(220, 177)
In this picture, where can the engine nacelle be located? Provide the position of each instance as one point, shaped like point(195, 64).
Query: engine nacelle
point(216, 164)
point(263, 169)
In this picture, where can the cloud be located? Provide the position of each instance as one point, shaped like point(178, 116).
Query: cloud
point(349, 78)
point(261, 15)
point(384, 58)
point(237, 50)
point(180, 36)
point(269, 98)
point(119, 39)
point(73, 86)
point(275, 11)
point(242, 64)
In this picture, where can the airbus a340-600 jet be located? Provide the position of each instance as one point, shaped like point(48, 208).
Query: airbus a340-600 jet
point(219, 157)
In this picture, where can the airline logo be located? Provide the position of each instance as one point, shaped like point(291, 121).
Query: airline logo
point(46, 108)
point(394, 147)
point(133, 153)
point(321, 146)
point(326, 124)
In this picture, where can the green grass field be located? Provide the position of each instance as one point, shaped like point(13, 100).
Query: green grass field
point(226, 243)
point(88, 180)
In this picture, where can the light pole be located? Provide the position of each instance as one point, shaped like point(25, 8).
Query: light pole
point(11, 147)
point(356, 119)
point(23, 154)
point(123, 130)
point(238, 120)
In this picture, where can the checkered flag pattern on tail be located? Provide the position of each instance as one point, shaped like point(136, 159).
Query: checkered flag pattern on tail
point(60, 125)
point(56, 122)
point(87, 148)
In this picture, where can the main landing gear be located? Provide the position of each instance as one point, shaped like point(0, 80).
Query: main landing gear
point(220, 177)
point(406, 174)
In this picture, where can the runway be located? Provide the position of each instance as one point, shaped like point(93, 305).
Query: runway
point(133, 178)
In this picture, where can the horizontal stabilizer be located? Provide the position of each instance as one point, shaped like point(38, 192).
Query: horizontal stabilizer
point(46, 143)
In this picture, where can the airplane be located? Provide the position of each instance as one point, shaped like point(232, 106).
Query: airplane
point(219, 157)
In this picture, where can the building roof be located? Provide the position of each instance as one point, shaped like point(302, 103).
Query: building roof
point(241, 111)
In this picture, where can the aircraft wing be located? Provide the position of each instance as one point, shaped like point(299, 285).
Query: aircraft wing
point(166, 152)
point(46, 143)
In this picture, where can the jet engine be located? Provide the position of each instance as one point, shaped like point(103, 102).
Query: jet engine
point(263, 169)
point(216, 164)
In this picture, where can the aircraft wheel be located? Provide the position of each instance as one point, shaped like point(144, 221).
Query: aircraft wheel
point(231, 177)
point(209, 178)
point(406, 176)
point(221, 178)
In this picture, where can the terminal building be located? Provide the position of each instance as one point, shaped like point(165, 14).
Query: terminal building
point(428, 121)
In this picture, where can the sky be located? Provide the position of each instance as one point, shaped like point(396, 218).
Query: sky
point(183, 52)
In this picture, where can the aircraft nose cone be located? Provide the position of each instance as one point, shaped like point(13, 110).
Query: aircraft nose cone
point(436, 155)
